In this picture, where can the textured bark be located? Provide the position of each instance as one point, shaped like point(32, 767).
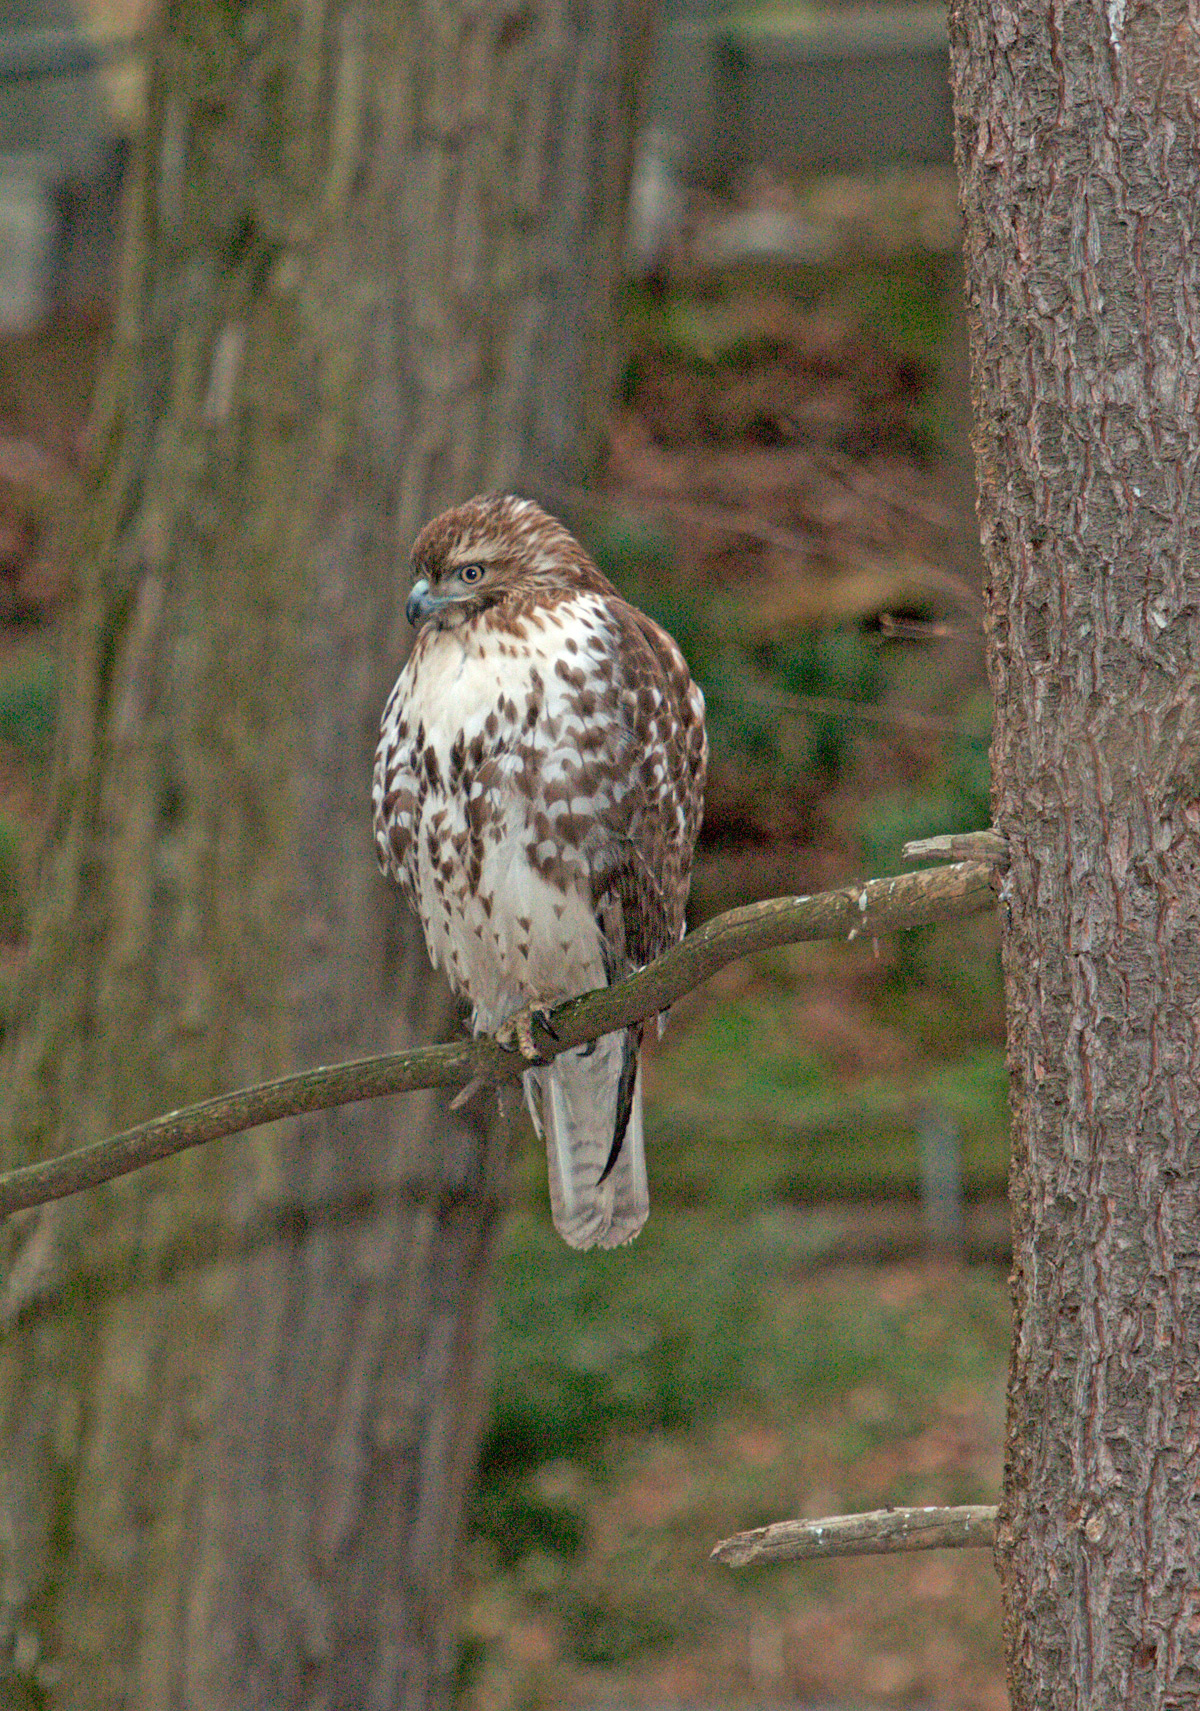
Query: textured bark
point(1078, 149)
point(370, 259)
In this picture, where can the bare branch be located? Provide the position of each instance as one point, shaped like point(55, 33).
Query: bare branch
point(871, 1534)
point(868, 910)
point(990, 846)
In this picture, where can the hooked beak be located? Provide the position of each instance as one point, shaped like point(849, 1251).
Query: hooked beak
point(420, 603)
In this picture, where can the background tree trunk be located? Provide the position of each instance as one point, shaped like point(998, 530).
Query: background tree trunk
point(1077, 146)
point(370, 266)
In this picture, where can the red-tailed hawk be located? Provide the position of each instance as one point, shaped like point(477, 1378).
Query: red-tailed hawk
point(537, 793)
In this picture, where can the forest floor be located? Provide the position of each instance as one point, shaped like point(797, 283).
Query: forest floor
point(784, 489)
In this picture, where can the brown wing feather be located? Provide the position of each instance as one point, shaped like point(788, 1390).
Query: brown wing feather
point(659, 743)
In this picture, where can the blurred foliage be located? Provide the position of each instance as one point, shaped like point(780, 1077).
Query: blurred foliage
point(28, 704)
point(731, 323)
point(839, 661)
point(895, 321)
point(758, 1134)
point(731, 1306)
point(608, 1632)
point(907, 303)
point(12, 912)
point(642, 1339)
point(954, 796)
point(516, 1518)
point(844, 357)
point(704, 1319)
point(842, 663)
point(590, 1348)
point(655, 1338)
point(640, 559)
point(755, 690)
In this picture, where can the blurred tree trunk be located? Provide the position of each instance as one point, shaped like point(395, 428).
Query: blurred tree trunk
point(370, 264)
point(1078, 150)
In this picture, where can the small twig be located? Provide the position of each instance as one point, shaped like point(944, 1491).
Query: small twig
point(990, 846)
point(923, 630)
point(874, 1533)
point(854, 911)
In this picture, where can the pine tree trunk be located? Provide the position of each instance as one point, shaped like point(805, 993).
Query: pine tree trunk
point(1077, 145)
point(370, 262)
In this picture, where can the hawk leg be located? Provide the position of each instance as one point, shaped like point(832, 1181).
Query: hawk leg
point(517, 1032)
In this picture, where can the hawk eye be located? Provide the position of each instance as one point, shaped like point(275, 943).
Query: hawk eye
point(471, 572)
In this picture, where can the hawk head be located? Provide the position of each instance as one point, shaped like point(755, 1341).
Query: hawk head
point(493, 550)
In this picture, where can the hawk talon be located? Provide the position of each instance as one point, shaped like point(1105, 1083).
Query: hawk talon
point(517, 1032)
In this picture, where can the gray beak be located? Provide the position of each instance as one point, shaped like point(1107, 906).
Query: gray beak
point(418, 606)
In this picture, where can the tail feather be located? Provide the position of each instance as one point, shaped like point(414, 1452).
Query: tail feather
point(627, 1088)
point(577, 1102)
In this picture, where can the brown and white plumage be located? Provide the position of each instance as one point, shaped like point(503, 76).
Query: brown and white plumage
point(537, 794)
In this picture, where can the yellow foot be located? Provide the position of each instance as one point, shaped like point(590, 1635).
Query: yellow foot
point(517, 1032)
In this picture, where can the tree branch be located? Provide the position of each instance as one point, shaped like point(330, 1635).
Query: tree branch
point(871, 1534)
point(990, 846)
point(874, 908)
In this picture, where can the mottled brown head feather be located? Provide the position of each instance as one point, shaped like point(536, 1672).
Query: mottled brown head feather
point(523, 556)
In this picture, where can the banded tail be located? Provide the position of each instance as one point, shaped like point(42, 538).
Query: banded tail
point(599, 1195)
